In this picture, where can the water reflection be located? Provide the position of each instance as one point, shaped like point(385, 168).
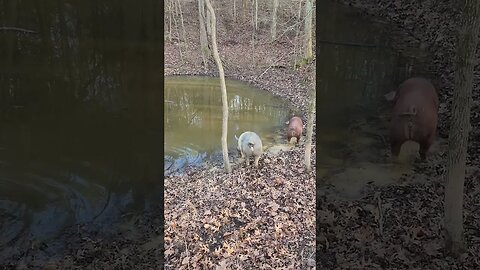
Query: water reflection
point(193, 117)
point(80, 113)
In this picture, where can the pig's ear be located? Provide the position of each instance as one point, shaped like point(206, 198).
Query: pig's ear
point(390, 96)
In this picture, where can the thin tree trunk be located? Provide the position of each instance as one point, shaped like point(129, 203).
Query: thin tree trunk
point(311, 116)
point(181, 22)
point(297, 34)
point(253, 38)
point(178, 30)
point(223, 87)
point(170, 20)
point(209, 27)
point(244, 7)
point(308, 30)
point(203, 34)
point(256, 14)
point(273, 29)
point(460, 126)
point(66, 50)
point(300, 9)
point(234, 12)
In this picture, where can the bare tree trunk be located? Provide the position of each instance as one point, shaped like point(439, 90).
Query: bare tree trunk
point(460, 126)
point(297, 34)
point(223, 87)
point(203, 34)
point(170, 20)
point(308, 30)
point(178, 30)
point(181, 22)
point(209, 27)
point(300, 8)
point(234, 12)
point(253, 39)
point(311, 116)
point(244, 7)
point(273, 29)
point(256, 14)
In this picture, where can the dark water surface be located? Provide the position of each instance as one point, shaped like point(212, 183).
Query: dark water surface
point(80, 113)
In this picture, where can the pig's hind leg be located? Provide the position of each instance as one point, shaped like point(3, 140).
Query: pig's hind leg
point(396, 146)
point(425, 146)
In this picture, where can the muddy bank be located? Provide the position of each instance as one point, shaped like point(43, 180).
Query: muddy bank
point(400, 226)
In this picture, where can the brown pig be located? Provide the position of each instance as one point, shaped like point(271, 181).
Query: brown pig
point(415, 115)
point(295, 129)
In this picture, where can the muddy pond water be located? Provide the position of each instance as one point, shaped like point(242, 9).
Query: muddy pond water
point(193, 119)
point(80, 116)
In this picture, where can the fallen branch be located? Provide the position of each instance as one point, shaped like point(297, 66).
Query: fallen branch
point(17, 29)
point(272, 65)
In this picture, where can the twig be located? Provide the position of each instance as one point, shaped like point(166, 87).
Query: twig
point(18, 29)
point(273, 64)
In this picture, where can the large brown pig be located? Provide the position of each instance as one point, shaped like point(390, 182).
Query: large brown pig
point(295, 129)
point(415, 115)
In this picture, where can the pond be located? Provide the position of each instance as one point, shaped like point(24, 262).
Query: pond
point(356, 66)
point(80, 116)
point(193, 119)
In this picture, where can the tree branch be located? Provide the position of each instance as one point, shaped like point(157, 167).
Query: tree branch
point(17, 29)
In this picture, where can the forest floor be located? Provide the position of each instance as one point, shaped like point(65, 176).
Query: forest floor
point(401, 226)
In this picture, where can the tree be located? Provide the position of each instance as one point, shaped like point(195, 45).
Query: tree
point(308, 30)
point(234, 12)
point(460, 126)
point(223, 87)
point(311, 116)
point(273, 29)
point(256, 14)
point(244, 8)
point(203, 34)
